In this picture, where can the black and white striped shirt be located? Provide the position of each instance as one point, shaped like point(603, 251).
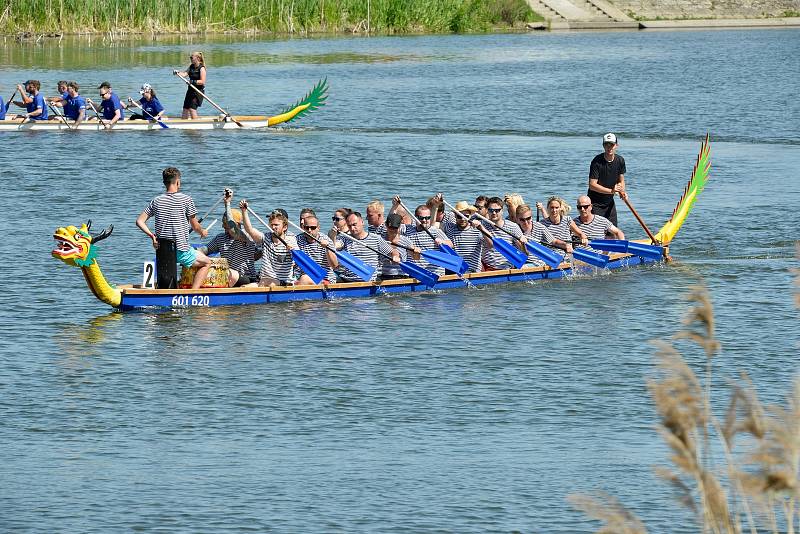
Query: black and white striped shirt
point(353, 246)
point(277, 262)
point(390, 268)
point(421, 239)
point(317, 252)
point(241, 255)
point(561, 230)
point(468, 242)
point(172, 212)
point(538, 234)
point(492, 257)
point(594, 229)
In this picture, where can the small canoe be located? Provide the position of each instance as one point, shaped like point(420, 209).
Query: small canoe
point(77, 247)
point(312, 101)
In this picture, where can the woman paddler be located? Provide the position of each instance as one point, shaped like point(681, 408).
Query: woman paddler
point(556, 220)
point(197, 76)
point(152, 110)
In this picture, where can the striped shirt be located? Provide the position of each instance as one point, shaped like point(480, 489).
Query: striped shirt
point(538, 234)
point(361, 252)
point(390, 268)
point(317, 252)
point(277, 260)
point(492, 257)
point(561, 230)
point(469, 242)
point(594, 229)
point(421, 239)
point(241, 255)
point(172, 212)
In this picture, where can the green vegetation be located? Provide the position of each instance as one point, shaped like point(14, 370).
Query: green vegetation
point(737, 473)
point(278, 16)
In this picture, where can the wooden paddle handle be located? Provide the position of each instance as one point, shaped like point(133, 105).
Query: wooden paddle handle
point(635, 214)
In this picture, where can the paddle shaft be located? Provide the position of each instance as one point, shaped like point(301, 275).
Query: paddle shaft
point(96, 114)
point(201, 219)
point(293, 225)
point(635, 214)
point(285, 244)
point(481, 217)
point(201, 93)
point(135, 103)
point(59, 115)
point(459, 214)
point(378, 252)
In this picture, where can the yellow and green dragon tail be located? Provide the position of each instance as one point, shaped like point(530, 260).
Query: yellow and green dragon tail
point(313, 100)
point(695, 186)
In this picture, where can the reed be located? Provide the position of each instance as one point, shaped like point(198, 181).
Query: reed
point(278, 16)
point(750, 490)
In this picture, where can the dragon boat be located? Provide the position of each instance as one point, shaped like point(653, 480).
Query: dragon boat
point(315, 99)
point(78, 247)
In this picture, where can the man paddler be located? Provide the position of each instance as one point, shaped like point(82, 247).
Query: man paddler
point(32, 101)
point(607, 178)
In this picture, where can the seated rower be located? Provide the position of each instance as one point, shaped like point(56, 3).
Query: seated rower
point(74, 104)
point(304, 214)
point(61, 89)
point(355, 246)
point(339, 219)
point(320, 254)
point(425, 237)
point(110, 105)
point(538, 233)
point(492, 259)
point(375, 219)
point(149, 108)
point(234, 245)
point(276, 260)
point(556, 220)
point(466, 233)
point(391, 270)
point(594, 226)
point(33, 101)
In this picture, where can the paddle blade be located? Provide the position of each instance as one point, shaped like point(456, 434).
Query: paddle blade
point(314, 270)
point(552, 259)
point(464, 267)
point(653, 252)
point(610, 245)
point(423, 275)
point(516, 257)
point(592, 258)
point(162, 124)
point(443, 259)
point(355, 265)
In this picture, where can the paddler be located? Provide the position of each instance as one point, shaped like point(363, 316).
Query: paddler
point(197, 77)
point(109, 104)
point(33, 101)
point(74, 104)
point(594, 226)
point(308, 243)
point(465, 233)
point(358, 247)
point(153, 110)
point(276, 262)
point(607, 178)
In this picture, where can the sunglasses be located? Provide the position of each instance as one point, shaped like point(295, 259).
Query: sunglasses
point(586, 207)
point(480, 206)
point(311, 227)
point(335, 218)
point(525, 219)
point(421, 218)
point(495, 210)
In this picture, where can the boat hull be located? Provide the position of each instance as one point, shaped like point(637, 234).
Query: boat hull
point(137, 298)
point(202, 123)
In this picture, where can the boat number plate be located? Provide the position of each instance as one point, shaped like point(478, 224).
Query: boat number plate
point(190, 300)
point(149, 275)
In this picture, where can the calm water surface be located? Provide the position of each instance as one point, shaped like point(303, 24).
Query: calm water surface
point(472, 411)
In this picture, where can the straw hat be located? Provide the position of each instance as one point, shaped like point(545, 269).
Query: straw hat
point(237, 215)
point(463, 206)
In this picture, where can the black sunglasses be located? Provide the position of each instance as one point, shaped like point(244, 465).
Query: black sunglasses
point(422, 218)
point(495, 210)
point(335, 218)
point(311, 227)
point(525, 219)
point(586, 207)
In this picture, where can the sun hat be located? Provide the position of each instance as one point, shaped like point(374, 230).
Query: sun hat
point(463, 205)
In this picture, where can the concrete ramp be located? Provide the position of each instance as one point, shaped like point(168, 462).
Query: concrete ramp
point(582, 14)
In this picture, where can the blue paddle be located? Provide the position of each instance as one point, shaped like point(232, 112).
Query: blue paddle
point(463, 267)
point(654, 252)
point(414, 271)
point(592, 258)
point(552, 259)
point(436, 257)
point(132, 101)
point(313, 269)
point(353, 264)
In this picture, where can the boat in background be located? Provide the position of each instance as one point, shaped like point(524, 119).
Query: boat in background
point(77, 247)
point(312, 101)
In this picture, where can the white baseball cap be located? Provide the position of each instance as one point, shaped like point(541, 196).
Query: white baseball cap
point(145, 87)
point(610, 138)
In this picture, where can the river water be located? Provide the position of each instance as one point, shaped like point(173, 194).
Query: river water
point(467, 411)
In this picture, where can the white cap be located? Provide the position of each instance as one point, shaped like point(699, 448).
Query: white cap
point(610, 138)
point(145, 87)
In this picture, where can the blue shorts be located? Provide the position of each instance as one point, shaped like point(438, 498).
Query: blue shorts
point(186, 257)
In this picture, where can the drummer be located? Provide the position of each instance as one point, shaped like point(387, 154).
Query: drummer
point(234, 245)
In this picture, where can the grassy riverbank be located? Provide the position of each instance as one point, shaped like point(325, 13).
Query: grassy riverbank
point(279, 16)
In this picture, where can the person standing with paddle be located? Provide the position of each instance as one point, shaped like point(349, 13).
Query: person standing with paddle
point(607, 178)
point(197, 78)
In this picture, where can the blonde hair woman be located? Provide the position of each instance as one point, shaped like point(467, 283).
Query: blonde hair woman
point(513, 201)
point(557, 221)
point(197, 76)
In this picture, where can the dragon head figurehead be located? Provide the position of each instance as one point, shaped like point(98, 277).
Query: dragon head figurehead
point(74, 246)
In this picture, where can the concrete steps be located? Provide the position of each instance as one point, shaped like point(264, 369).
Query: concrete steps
point(582, 14)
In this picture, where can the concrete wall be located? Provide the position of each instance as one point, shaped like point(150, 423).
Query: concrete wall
point(673, 9)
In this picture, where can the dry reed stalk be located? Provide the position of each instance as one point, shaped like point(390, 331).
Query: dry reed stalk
point(615, 517)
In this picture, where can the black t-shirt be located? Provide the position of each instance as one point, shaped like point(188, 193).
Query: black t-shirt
point(607, 174)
